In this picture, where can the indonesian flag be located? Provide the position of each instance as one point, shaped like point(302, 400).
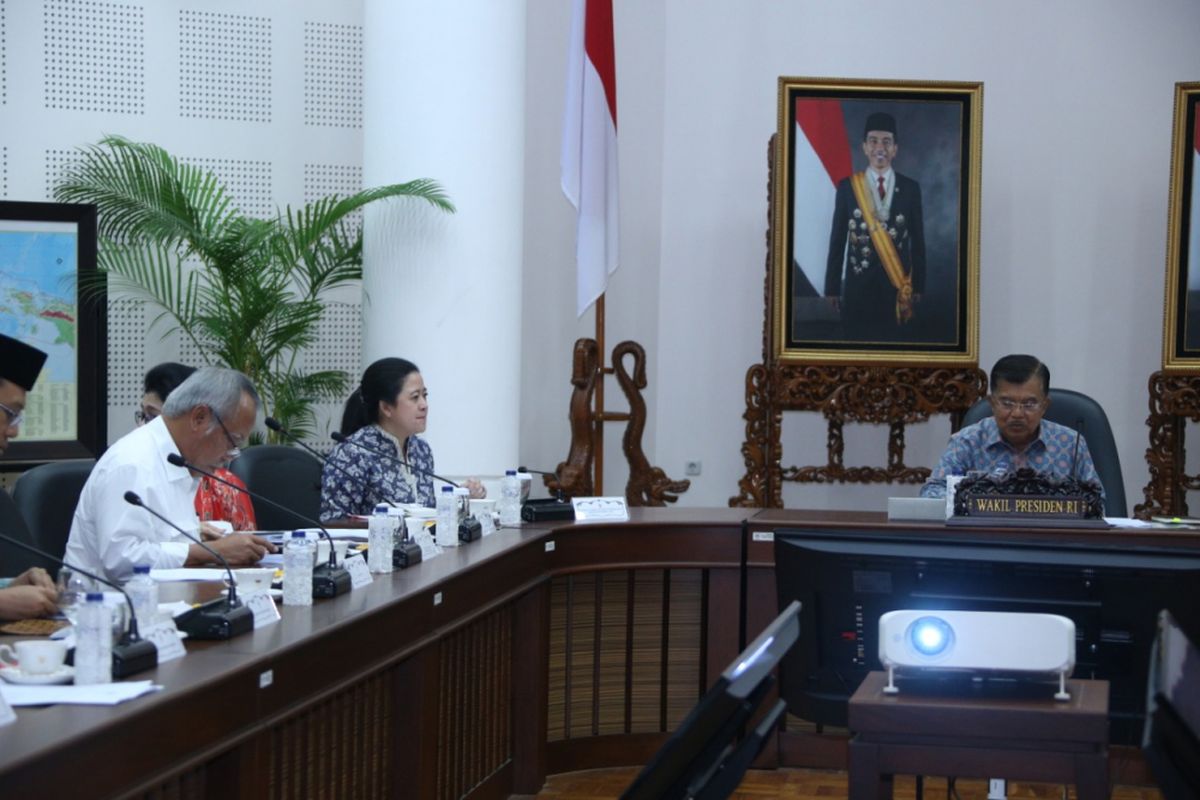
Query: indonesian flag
point(822, 160)
point(1193, 260)
point(589, 147)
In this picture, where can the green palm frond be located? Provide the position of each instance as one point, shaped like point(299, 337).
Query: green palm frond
point(249, 293)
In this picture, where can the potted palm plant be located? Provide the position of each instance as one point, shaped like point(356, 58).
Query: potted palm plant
point(249, 293)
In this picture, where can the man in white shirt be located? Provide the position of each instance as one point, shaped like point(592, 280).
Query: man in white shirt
point(206, 420)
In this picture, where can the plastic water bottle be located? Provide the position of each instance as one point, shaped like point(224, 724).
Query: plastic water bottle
point(143, 593)
point(510, 498)
point(379, 541)
point(298, 570)
point(447, 517)
point(93, 641)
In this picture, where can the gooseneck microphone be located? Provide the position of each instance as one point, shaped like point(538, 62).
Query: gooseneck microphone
point(209, 621)
point(558, 493)
point(134, 654)
point(339, 438)
point(404, 555)
point(329, 580)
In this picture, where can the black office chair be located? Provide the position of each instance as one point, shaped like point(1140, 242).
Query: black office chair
point(15, 560)
point(1071, 408)
point(287, 475)
point(46, 496)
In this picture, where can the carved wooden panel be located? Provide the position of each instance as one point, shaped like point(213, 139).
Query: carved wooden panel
point(1174, 399)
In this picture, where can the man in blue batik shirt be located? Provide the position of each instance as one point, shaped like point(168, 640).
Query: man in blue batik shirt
point(1015, 436)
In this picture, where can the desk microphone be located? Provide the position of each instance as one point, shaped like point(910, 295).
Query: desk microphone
point(558, 492)
point(403, 556)
point(209, 621)
point(340, 438)
point(134, 654)
point(329, 580)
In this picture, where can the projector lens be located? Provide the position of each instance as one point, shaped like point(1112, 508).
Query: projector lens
point(930, 635)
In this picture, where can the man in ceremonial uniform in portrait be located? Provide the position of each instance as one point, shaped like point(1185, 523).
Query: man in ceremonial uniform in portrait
point(876, 268)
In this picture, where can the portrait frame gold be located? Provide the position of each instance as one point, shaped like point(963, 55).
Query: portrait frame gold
point(1181, 303)
point(814, 157)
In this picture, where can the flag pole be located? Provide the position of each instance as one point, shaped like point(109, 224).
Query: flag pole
point(598, 416)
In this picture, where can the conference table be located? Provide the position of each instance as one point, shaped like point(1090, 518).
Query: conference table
point(543, 648)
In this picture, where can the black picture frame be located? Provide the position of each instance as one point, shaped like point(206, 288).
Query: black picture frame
point(840, 295)
point(90, 307)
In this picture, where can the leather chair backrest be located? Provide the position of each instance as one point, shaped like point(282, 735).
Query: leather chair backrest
point(46, 497)
point(14, 560)
point(287, 475)
point(1076, 410)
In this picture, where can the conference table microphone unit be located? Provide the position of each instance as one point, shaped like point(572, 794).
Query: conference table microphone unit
point(222, 618)
point(549, 508)
point(132, 654)
point(404, 554)
point(469, 529)
point(329, 579)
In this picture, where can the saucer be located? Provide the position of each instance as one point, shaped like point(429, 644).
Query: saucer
point(63, 674)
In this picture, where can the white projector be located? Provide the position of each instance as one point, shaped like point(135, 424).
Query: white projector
point(985, 642)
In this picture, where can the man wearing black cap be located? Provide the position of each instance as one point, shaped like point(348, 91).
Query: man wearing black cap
point(32, 593)
point(877, 241)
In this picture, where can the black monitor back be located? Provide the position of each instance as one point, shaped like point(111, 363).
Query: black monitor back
point(846, 581)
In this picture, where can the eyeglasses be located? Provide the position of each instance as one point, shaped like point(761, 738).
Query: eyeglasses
point(235, 449)
point(1028, 405)
point(141, 417)
point(14, 417)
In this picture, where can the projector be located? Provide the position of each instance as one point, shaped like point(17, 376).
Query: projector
point(987, 643)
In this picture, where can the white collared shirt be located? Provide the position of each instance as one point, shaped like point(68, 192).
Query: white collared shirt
point(108, 535)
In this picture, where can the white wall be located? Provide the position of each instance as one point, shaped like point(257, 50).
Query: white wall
point(1077, 126)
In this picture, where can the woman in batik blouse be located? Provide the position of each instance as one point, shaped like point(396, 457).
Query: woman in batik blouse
point(382, 459)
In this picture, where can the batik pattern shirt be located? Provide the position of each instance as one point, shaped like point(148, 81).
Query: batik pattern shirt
point(980, 448)
point(360, 475)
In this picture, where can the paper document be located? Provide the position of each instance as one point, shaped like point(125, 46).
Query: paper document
point(189, 574)
point(99, 694)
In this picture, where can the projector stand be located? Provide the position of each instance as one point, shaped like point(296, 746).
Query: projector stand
point(891, 684)
point(1062, 693)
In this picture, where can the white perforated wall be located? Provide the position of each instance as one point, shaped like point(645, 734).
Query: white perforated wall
point(265, 100)
point(224, 66)
point(95, 56)
point(333, 77)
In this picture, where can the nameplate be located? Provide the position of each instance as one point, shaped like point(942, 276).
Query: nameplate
point(1025, 506)
point(262, 606)
point(166, 639)
point(487, 525)
point(429, 548)
point(360, 575)
point(600, 509)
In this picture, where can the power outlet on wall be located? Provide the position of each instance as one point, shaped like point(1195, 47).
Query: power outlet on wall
point(692, 468)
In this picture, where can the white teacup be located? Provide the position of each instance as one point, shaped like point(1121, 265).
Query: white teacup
point(254, 579)
point(35, 656)
point(339, 546)
point(481, 507)
point(414, 525)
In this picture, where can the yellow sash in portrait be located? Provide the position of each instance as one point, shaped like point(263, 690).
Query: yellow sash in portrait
point(885, 247)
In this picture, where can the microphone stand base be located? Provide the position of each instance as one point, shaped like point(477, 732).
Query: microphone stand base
point(216, 620)
point(130, 658)
point(469, 530)
point(330, 581)
point(546, 510)
point(406, 554)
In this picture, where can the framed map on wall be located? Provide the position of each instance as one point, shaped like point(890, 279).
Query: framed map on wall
point(47, 255)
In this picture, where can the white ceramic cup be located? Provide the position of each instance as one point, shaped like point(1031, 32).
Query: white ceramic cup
point(254, 579)
point(481, 507)
point(339, 546)
point(414, 525)
point(35, 656)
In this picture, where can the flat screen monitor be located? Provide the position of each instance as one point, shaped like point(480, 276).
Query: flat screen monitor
point(846, 581)
point(702, 757)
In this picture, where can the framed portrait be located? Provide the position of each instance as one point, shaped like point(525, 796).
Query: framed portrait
point(1181, 320)
point(875, 248)
point(47, 253)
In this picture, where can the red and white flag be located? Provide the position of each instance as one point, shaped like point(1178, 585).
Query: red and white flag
point(589, 147)
point(822, 161)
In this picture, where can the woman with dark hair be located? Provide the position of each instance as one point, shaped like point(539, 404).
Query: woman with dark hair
point(382, 459)
point(214, 500)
